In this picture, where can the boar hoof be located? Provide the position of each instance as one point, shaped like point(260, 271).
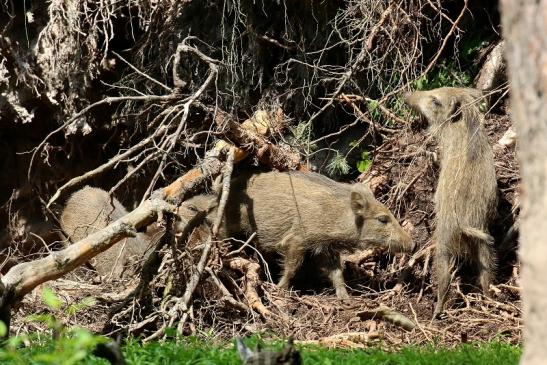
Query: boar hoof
point(439, 314)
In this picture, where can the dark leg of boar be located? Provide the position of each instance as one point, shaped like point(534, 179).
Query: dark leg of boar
point(333, 268)
point(294, 256)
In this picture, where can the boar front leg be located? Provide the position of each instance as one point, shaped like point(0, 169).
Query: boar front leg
point(333, 268)
point(294, 256)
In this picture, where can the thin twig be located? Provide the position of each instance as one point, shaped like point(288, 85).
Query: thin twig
point(108, 100)
point(143, 74)
point(104, 167)
point(228, 168)
point(213, 72)
point(353, 68)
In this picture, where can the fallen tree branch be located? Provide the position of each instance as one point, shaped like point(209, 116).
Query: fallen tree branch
point(424, 252)
point(250, 142)
point(228, 168)
point(248, 139)
point(24, 277)
point(226, 295)
point(250, 270)
point(345, 340)
point(492, 70)
point(194, 280)
point(104, 167)
point(388, 315)
point(109, 100)
point(172, 141)
point(182, 304)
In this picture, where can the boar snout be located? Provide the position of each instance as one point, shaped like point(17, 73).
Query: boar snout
point(402, 243)
point(379, 226)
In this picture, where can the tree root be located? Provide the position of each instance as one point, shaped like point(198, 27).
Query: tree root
point(345, 340)
point(388, 315)
point(251, 271)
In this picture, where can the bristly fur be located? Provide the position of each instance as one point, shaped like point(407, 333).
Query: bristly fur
point(295, 213)
point(466, 195)
point(91, 209)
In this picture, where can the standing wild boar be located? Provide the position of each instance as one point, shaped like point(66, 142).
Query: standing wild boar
point(91, 209)
point(466, 195)
point(295, 213)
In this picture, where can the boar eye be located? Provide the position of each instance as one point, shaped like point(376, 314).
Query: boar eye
point(383, 219)
point(436, 103)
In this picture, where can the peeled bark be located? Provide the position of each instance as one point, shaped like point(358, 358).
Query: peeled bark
point(525, 31)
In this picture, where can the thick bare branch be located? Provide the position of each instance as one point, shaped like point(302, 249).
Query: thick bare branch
point(22, 278)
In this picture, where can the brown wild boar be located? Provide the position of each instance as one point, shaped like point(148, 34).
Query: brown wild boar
point(295, 213)
point(466, 195)
point(91, 209)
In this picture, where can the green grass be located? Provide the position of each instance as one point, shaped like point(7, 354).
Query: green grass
point(198, 352)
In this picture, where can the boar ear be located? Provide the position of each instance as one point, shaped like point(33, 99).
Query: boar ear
point(365, 186)
point(359, 200)
point(455, 109)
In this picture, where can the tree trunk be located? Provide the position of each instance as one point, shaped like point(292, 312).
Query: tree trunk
point(525, 30)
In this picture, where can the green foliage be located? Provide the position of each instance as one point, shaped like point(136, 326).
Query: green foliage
point(470, 46)
point(71, 346)
point(300, 131)
point(485, 354)
point(3, 329)
point(364, 162)
point(77, 307)
point(373, 107)
point(447, 73)
point(194, 351)
point(338, 164)
point(50, 299)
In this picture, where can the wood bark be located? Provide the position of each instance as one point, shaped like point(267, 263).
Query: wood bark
point(525, 31)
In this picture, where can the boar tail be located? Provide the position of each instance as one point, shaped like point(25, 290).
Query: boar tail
point(478, 234)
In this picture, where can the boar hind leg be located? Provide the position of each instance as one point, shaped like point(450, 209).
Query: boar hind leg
point(486, 265)
point(444, 265)
point(336, 276)
point(293, 260)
